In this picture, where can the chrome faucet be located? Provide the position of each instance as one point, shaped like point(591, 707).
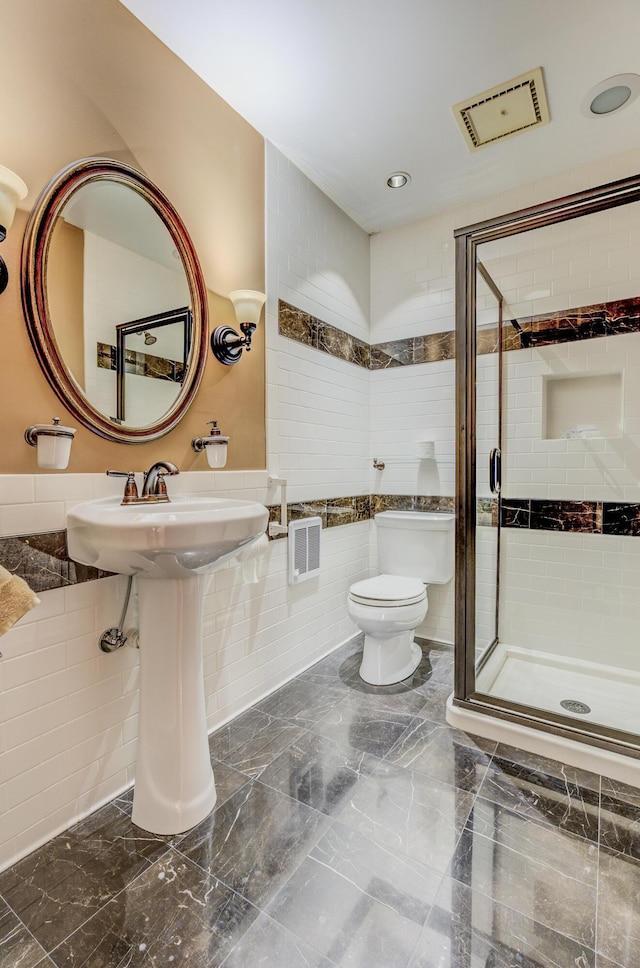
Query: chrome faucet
point(154, 485)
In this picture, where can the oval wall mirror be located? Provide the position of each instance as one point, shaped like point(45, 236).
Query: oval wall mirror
point(115, 300)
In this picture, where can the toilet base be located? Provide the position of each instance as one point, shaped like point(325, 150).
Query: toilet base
point(389, 660)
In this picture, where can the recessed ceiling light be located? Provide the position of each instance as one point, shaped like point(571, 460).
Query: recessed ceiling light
point(398, 179)
point(611, 95)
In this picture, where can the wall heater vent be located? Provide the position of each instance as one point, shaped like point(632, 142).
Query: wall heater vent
point(304, 549)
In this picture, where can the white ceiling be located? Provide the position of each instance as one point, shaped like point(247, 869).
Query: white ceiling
point(351, 90)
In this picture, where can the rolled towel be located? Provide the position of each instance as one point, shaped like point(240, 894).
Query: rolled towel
point(16, 599)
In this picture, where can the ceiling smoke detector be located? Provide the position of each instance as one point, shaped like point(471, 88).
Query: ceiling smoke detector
point(503, 111)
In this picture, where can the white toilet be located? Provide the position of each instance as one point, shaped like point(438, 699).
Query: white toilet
point(415, 548)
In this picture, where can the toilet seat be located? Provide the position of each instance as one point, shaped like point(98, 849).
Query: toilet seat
point(388, 591)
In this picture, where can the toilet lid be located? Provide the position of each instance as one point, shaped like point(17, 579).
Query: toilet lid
point(388, 590)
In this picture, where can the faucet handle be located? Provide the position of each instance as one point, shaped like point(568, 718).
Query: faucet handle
point(130, 487)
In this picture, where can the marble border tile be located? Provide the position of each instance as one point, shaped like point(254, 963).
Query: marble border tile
point(43, 561)
point(585, 322)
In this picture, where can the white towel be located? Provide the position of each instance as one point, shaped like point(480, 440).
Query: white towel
point(16, 599)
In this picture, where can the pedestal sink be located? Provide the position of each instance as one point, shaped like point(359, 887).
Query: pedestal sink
point(170, 547)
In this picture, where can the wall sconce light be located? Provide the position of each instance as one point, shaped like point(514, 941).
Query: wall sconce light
point(226, 344)
point(12, 191)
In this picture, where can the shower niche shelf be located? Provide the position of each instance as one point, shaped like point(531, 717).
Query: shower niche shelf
point(582, 406)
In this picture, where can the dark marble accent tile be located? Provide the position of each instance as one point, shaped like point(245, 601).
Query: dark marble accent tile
point(268, 944)
point(397, 352)
point(341, 510)
point(544, 767)
point(255, 841)
point(438, 503)
point(56, 888)
point(515, 513)
point(360, 353)
point(173, 913)
point(347, 925)
point(18, 949)
point(106, 356)
point(447, 754)
point(159, 368)
point(618, 909)
point(297, 324)
point(620, 518)
point(390, 502)
point(313, 509)
point(486, 512)
point(575, 516)
point(300, 702)
point(252, 740)
point(394, 879)
point(319, 772)
point(533, 793)
point(487, 340)
point(409, 813)
point(362, 507)
point(335, 342)
point(620, 818)
point(365, 723)
point(549, 876)
point(43, 561)
point(466, 929)
point(434, 347)
point(623, 315)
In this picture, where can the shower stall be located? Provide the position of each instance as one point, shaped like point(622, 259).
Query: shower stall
point(548, 478)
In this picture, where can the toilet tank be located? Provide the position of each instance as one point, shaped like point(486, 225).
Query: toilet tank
point(417, 544)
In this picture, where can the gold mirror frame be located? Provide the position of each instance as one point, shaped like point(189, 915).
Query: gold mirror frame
point(37, 238)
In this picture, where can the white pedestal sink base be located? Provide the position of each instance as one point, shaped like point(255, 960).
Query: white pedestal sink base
point(174, 788)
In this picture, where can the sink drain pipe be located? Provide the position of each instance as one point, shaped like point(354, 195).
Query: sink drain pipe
point(114, 638)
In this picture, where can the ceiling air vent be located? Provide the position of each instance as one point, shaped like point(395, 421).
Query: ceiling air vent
point(504, 111)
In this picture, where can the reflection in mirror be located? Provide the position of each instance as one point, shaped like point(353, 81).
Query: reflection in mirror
point(115, 300)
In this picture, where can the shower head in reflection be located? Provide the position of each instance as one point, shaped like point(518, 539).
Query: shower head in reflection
point(149, 340)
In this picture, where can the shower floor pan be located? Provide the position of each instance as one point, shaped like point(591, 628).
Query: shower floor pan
point(540, 679)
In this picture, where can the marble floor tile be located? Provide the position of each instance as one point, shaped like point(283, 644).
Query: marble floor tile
point(435, 702)
point(394, 879)
point(300, 702)
point(547, 798)
point(553, 883)
point(364, 723)
point(410, 813)
point(172, 913)
point(447, 754)
point(466, 929)
point(319, 772)
point(619, 909)
point(252, 741)
point(255, 840)
point(18, 949)
point(55, 889)
point(337, 668)
point(268, 945)
point(620, 818)
point(572, 776)
point(346, 925)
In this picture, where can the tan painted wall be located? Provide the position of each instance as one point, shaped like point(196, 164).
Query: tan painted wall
point(65, 294)
point(94, 81)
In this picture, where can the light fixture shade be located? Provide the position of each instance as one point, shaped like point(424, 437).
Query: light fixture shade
point(12, 191)
point(247, 304)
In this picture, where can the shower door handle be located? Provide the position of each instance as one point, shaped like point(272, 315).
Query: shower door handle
point(495, 470)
